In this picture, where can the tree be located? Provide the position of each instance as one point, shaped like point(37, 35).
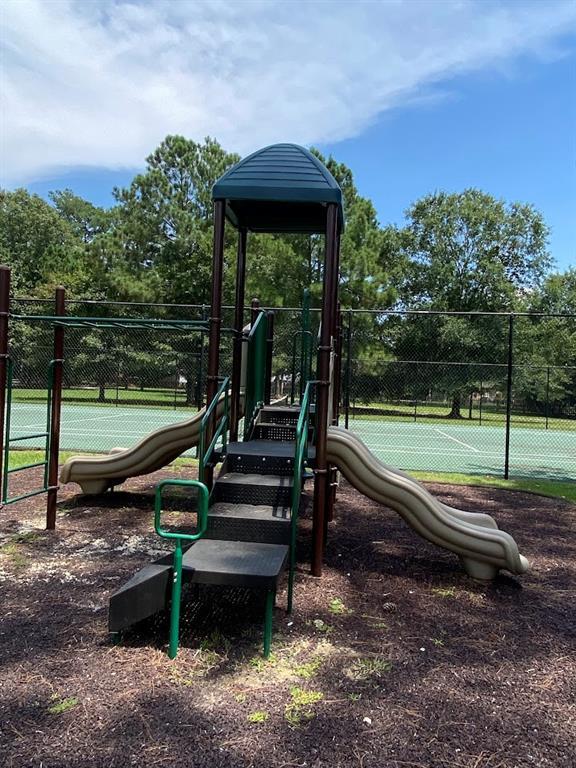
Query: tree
point(86, 220)
point(545, 342)
point(468, 252)
point(164, 220)
point(40, 245)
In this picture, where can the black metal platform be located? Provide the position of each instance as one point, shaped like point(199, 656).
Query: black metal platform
point(235, 563)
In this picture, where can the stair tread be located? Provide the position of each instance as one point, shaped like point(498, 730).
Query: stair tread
point(278, 513)
point(239, 478)
point(214, 561)
point(264, 448)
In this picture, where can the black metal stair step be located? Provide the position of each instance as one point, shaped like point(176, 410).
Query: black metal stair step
point(146, 593)
point(261, 456)
point(251, 511)
point(285, 414)
point(228, 563)
point(268, 448)
point(249, 522)
point(256, 489)
point(235, 563)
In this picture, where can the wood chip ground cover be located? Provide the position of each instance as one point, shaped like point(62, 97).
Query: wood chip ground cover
point(394, 658)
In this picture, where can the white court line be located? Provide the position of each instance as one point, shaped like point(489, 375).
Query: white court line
point(35, 426)
point(485, 454)
point(466, 445)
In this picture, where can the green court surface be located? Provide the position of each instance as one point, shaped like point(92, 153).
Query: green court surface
point(444, 447)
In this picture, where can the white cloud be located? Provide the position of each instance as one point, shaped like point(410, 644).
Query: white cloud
point(100, 83)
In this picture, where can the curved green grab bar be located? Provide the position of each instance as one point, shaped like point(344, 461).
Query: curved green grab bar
point(178, 538)
point(202, 510)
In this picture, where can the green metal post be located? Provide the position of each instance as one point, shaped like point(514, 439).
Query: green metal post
point(178, 538)
point(176, 597)
point(268, 619)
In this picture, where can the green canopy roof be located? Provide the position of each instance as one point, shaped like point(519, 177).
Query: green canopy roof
point(281, 188)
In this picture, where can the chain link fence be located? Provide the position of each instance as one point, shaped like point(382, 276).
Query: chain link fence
point(489, 394)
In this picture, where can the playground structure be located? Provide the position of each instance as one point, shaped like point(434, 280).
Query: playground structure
point(248, 514)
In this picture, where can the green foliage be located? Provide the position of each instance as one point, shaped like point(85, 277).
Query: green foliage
point(40, 245)
point(301, 708)
point(258, 717)
point(444, 591)
point(365, 669)
point(164, 220)
point(62, 705)
point(307, 670)
point(337, 607)
point(467, 252)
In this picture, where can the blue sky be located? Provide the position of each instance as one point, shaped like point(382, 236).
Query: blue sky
point(420, 96)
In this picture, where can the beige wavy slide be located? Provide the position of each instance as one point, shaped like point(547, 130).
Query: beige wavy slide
point(483, 549)
point(97, 473)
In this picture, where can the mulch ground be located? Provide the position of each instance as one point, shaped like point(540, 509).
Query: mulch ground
point(394, 658)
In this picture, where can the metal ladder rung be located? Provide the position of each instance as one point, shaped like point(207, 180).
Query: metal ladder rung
point(27, 466)
point(28, 437)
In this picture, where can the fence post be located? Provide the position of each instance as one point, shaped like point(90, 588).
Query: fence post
point(348, 370)
point(547, 394)
point(176, 379)
point(481, 396)
point(52, 498)
point(4, 319)
point(118, 364)
point(509, 396)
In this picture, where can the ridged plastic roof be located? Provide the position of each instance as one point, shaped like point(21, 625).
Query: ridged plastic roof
point(281, 188)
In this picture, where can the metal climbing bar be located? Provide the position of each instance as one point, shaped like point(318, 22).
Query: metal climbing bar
point(8, 440)
point(178, 538)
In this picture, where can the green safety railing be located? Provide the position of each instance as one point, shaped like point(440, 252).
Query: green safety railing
point(8, 441)
point(72, 321)
point(300, 458)
point(178, 538)
point(220, 430)
point(255, 371)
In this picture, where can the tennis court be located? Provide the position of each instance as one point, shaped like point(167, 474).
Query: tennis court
point(412, 446)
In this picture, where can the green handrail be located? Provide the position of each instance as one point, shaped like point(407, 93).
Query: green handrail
point(255, 371)
point(178, 538)
point(9, 440)
point(300, 457)
point(220, 430)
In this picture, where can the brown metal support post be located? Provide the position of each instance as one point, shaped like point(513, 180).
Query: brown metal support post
point(269, 355)
point(52, 498)
point(321, 469)
point(215, 320)
point(238, 325)
point(4, 320)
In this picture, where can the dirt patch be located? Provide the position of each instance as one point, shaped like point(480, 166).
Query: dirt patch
point(394, 658)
